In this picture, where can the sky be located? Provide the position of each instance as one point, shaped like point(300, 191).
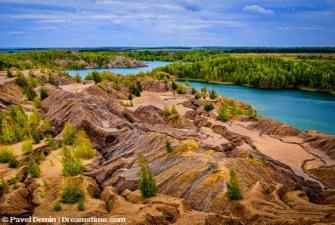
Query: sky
point(152, 23)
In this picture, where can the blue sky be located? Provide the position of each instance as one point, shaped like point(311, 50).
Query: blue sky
point(95, 23)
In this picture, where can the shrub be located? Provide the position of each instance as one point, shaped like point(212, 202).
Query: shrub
point(166, 111)
point(208, 107)
point(223, 114)
point(174, 110)
point(27, 147)
point(71, 165)
point(135, 90)
point(33, 168)
point(130, 97)
point(116, 86)
point(168, 147)
point(37, 103)
point(29, 92)
point(187, 83)
point(52, 80)
point(57, 207)
point(212, 94)
point(174, 85)
point(69, 134)
point(147, 180)
point(36, 135)
point(81, 205)
point(181, 89)
point(13, 163)
point(3, 187)
point(10, 74)
point(187, 145)
point(17, 114)
point(52, 143)
point(8, 133)
point(77, 77)
point(21, 80)
point(193, 90)
point(6, 154)
point(84, 148)
point(96, 77)
point(43, 93)
point(250, 155)
point(72, 191)
point(109, 204)
point(213, 166)
point(234, 191)
point(264, 160)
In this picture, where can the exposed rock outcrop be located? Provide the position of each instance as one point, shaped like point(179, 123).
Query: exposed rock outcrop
point(273, 127)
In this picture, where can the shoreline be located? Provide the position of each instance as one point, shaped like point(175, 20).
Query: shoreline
point(300, 88)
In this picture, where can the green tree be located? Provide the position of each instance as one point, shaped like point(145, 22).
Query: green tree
point(69, 134)
point(77, 77)
point(147, 180)
point(43, 93)
point(72, 166)
point(234, 191)
point(168, 147)
point(212, 94)
point(223, 114)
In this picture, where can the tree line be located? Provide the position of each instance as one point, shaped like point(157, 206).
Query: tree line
point(259, 71)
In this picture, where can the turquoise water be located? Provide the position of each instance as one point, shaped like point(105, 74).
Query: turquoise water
point(300, 109)
point(123, 71)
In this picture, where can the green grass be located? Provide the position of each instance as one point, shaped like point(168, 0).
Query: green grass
point(72, 192)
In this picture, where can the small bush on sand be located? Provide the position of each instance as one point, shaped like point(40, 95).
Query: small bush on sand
point(187, 145)
point(72, 191)
point(52, 143)
point(33, 168)
point(208, 107)
point(72, 166)
point(223, 114)
point(109, 204)
point(43, 93)
point(84, 148)
point(81, 205)
point(213, 94)
point(69, 134)
point(234, 191)
point(168, 147)
point(27, 147)
point(147, 180)
point(6, 154)
point(57, 207)
point(14, 163)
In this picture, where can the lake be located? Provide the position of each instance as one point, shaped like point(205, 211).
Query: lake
point(300, 109)
point(123, 71)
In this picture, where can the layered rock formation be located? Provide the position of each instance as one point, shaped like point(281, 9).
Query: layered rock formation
point(285, 175)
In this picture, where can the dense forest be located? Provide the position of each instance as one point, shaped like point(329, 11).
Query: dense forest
point(259, 70)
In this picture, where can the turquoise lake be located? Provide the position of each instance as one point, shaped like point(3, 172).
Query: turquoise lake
point(123, 71)
point(300, 109)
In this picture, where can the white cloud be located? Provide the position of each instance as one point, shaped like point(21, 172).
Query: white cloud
point(258, 9)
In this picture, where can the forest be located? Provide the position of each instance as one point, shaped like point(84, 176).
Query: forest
point(259, 71)
point(312, 70)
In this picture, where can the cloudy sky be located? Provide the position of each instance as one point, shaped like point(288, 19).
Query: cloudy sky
point(92, 23)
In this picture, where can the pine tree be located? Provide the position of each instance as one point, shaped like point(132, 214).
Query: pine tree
point(168, 147)
point(147, 180)
point(234, 191)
